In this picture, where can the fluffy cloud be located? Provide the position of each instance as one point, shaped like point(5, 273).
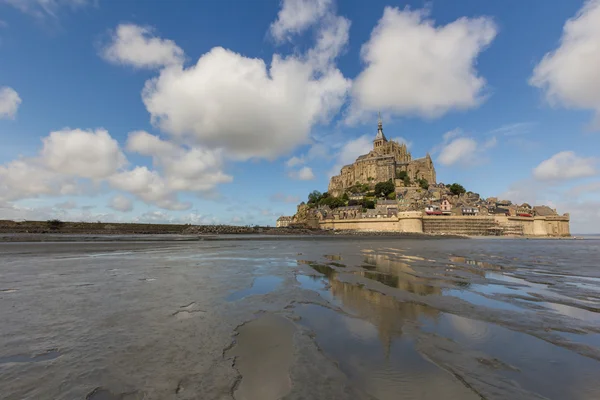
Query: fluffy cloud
point(297, 15)
point(295, 161)
point(27, 178)
point(121, 203)
point(178, 169)
point(66, 159)
point(134, 45)
point(416, 68)
point(9, 102)
point(303, 174)
point(41, 8)
point(245, 106)
point(86, 154)
point(185, 169)
point(149, 186)
point(569, 74)
point(234, 102)
point(564, 166)
point(456, 148)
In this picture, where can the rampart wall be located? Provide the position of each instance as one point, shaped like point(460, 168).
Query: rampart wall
point(416, 222)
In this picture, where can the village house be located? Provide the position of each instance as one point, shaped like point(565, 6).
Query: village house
point(348, 212)
point(387, 207)
point(284, 222)
point(446, 207)
point(433, 209)
point(356, 196)
point(470, 211)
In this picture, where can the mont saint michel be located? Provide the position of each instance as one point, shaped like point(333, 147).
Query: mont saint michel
point(386, 161)
point(386, 189)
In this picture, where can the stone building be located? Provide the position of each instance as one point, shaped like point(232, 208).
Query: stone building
point(284, 222)
point(385, 161)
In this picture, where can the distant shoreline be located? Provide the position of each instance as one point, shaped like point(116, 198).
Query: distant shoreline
point(48, 231)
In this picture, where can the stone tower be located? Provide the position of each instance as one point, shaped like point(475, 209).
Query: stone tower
point(380, 139)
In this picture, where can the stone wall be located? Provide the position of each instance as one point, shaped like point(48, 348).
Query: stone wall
point(473, 226)
point(416, 222)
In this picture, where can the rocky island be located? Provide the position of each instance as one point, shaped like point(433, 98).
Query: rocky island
point(386, 190)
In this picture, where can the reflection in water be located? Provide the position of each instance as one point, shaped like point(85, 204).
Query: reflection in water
point(481, 300)
point(544, 368)
point(383, 369)
point(398, 274)
point(384, 312)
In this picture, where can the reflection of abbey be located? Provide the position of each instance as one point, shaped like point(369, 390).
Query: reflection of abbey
point(386, 161)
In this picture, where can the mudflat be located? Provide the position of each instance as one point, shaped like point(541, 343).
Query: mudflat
point(301, 318)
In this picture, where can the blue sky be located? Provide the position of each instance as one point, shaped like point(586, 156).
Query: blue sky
point(233, 111)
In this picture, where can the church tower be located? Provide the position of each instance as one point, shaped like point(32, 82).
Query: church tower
point(380, 139)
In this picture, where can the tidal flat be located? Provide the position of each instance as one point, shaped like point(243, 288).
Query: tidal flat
point(301, 318)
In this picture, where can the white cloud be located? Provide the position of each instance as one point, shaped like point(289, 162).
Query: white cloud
point(245, 106)
point(185, 169)
point(9, 102)
point(282, 198)
point(295, 16)
point(569, 74)
point(231, 101)
point(458, 149)
point(86, 154)
point(514, 129)
point(416, 68)
point(121, 203)
point(295, 161)
point(564, 166)
point(350, 151)
point(41, 8)
point(17, 212)
point(303, 174)
point(67, 158)
point(135, 46)
point(148, 186)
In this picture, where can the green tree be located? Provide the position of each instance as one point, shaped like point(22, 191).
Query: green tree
point(392, 196)
point(457, 189)
point(370, 204)
point(401, 175)
point(384, 188)
point(423, 183)
point(345, 197)
point(406, 180)
point(314, 197)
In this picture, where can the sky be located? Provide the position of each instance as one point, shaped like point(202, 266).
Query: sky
point(231, 112)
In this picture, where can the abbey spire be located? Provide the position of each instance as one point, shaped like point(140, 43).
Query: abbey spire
point(380, 139)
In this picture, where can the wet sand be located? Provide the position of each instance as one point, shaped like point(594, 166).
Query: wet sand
point(301, 318)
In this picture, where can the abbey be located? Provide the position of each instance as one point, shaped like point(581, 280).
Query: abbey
point(387, 160)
